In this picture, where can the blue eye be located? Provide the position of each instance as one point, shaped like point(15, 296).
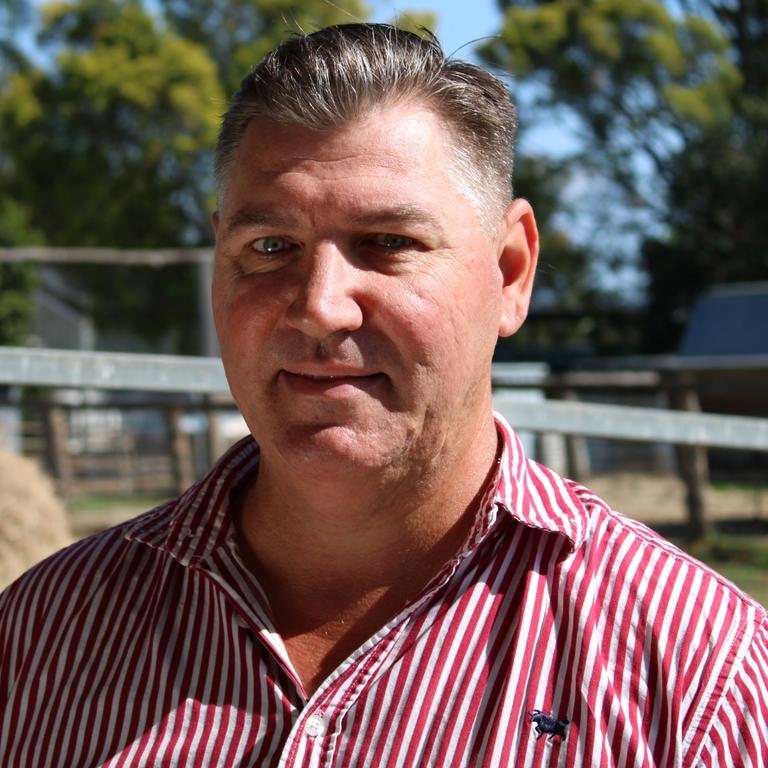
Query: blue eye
point(390, 240)
point(271, 244)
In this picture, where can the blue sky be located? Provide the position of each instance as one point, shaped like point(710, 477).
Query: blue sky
point(459, 21)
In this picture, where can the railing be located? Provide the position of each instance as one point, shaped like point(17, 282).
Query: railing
point(203, 375)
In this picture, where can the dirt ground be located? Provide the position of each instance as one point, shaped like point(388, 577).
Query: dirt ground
point(660, 499)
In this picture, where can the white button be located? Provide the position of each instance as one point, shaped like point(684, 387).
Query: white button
point(316, 725)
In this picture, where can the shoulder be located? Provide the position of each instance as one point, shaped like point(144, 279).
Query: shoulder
point(700, 633)
point(646, 566)
point(87, 562)
point(89, 575)
point(608, 530)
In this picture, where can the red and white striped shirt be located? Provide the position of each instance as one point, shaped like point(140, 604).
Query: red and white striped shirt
point(152, 645)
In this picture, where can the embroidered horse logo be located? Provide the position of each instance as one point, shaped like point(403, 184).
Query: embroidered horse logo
point(548, 726)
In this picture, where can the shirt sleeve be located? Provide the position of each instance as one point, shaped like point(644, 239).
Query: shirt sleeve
point(738, 734)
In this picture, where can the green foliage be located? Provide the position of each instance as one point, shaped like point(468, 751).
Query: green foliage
point(238, 33)
point(671, 106)
point(17, 285)
point(126, 103)
point(111, 147)
point(718, 231)
point(17, 281)
point(635, 74)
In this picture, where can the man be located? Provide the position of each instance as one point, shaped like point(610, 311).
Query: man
point(380, 578)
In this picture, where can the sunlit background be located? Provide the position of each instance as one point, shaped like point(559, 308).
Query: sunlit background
point(643, 146)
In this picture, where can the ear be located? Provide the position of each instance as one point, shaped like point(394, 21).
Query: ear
point(518, 253)
point(215, 223)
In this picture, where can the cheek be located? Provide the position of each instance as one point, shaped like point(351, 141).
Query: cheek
point(420, 318)
point(244, 307)
point(461, 309)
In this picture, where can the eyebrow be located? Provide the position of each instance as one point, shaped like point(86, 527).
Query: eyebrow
point(377, 217)
point(258, 217)
point(396, 214)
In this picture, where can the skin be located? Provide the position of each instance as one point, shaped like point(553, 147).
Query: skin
point(358, 297)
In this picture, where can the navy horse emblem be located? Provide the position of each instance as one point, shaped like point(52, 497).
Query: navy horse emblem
point(548, 726)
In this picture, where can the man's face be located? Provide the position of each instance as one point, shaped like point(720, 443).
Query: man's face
point(356, 295)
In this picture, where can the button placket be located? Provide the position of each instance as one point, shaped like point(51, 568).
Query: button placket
point(316, 725)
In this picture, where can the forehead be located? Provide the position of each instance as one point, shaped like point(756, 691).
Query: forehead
point(404, 143)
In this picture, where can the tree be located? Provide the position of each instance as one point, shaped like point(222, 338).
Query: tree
point(111, 147)
point(670, 107)
point(639, 79)
point(717, 226)
point(238, 33)
point(17, 281)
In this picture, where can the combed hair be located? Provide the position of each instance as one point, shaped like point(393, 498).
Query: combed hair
point(338, 74)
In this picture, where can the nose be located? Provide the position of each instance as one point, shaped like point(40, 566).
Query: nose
point(326, 299)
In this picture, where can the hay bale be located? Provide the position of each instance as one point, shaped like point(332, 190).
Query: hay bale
point(33, 522)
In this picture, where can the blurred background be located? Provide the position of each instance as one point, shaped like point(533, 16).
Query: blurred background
point(643, 147)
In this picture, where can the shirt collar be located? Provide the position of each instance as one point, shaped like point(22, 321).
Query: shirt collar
point(535, 495)
point(198, 522)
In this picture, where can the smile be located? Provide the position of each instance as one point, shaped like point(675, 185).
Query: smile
point(334, 385)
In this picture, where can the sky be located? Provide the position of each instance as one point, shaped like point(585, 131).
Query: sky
point(459, 21)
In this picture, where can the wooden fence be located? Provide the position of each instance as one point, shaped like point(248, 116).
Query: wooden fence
point(177, 386)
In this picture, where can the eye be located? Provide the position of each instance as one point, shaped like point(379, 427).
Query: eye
point(271, 244)
point(392, 241)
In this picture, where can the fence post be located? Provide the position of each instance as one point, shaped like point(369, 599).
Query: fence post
point(181, 451)
point(56, 433)
point(579, 465)
point(692, 461)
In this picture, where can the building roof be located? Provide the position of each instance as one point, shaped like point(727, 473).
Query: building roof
point(729, 320)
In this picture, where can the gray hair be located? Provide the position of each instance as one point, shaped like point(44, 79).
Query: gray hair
point(322, 80)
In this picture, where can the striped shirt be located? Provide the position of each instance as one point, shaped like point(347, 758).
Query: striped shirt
point(562, 634)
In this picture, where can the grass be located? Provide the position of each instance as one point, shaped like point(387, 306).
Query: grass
point(110, 504)
point(741, 558)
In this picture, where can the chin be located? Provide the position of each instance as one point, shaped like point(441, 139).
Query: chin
point(325, 452)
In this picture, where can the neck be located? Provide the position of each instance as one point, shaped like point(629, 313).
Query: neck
point(338, 562)
point(366, 521)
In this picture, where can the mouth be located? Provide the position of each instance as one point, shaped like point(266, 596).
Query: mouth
point(339, 384)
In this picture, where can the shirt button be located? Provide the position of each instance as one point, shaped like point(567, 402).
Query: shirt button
point(316, 725)
point(241, 622)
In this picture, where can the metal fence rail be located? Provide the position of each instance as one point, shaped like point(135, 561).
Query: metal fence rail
point(112, 370)
point(620, 422)
point(168, 373)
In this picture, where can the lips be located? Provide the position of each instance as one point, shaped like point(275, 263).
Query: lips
point(336, 384)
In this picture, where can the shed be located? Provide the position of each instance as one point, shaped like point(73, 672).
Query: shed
point(731, 319)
